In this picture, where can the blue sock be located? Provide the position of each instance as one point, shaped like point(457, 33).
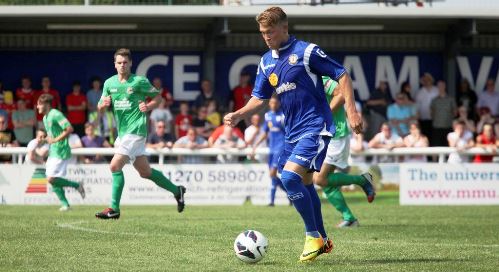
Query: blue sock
point(300, 197)
point(316, 202)
point(273, 188)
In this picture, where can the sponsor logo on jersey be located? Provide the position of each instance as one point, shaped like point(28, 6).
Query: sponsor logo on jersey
point(296, 196)
point(273, 79)
point(321, 53)
point(113, 90)
point(129, 90)
point(293, 59)
point(301, 158)
point(268, 66)
point(285, 87)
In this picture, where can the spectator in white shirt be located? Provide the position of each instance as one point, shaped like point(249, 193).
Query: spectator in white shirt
point(191, 141)
point(424, 97)
point(38, 149)
point(461, 139)
point(253, 133)
point(489, 98)
point(415, 139)
point(386, 139)
point(228, 140)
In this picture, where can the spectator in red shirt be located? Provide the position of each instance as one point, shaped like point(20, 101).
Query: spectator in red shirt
point(77, 104)
point(7, 105)
point(46, 89)
point(25, 92)
point(488, 141)
point(240, 96)
point(165, 93)
point(183, 121)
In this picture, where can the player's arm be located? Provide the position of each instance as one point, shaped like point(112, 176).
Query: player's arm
point(65, 133)
point(105, 99)
point(148, 90)
point(145, 107)
point(346, 90)
point(254, 105)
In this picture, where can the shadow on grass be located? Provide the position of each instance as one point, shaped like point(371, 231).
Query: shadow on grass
point(393, 261)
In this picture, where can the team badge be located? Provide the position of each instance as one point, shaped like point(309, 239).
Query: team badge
point(129, 90)
point(269, 124)
point(293, 59)
point(273, 79)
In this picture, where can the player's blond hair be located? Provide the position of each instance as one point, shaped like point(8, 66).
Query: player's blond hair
point(124, 52)
point(45, 99)
point(272, 16)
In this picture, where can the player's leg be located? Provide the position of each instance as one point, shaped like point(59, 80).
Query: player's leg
point(56, 170)
point(142, 166)
point(335, 197)
point(116, 166)
point(276, 181)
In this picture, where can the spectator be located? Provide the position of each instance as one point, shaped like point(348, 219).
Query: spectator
point(400, 114)
point(104, 124)
point(192, 141)
point(380, 99)
point(94, 94)
point(214, 116)
point(219, 130)
point(466, 97)
point(8, 107)
point(489, 98)
point(37, 149)
point(253, 133)
point(415, 139)
point(488, 141)
point(183, 121)
point(386, 139)
point(76, 103)
point(406, 88)
point(423, 102)
point(159, 138)
point(443, 110)
point(46, 89)
point(357, 142)
point(206, 94)
point(461, 139)
point(485, 118)
point(462, 115)
point(165, 93)
point(74, 142)
point(163, 114)
point(26, 93)
point(240, 96)
point(202, 126)
point(6, 95)
point(92, 140)
point(7, 138)
point(228, 140)
point(24, 122)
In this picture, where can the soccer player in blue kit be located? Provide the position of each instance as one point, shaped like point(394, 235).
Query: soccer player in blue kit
point(294, 70)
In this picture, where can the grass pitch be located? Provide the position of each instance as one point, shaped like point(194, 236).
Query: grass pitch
point(156, 238)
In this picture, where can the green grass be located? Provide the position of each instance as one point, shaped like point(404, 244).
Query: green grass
point(156, 238)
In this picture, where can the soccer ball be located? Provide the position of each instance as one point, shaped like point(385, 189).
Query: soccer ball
point(250, 246)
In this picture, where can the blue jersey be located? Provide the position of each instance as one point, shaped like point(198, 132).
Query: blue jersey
point(274, 127)
point(295, 73)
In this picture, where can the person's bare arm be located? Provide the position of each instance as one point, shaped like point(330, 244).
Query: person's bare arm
point(254, 105)
point(145, 107)
point(65, 133)
point(346, 89)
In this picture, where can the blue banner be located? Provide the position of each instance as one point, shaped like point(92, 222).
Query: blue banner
point(477, 68)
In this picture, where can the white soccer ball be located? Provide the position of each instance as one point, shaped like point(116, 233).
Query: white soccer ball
point(250, 246)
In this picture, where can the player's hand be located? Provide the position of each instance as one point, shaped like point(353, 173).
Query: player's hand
point(49, 140)
point(106, 101)
point(231, 119)
point(355, 122)
point(143, 106)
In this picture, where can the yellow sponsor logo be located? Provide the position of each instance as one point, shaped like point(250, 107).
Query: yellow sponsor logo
point(273, 79)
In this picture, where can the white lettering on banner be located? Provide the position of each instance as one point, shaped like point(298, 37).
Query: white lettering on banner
point(483, 72)
point(409, 71)
point(206, 185)
point(180, 76)
point(238, 66)
point(454, 184)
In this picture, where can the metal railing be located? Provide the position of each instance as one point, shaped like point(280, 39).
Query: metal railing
point(441, 152)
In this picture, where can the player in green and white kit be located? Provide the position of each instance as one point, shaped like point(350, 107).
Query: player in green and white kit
point(127, 93)
point(58, 130)
point(337, 158)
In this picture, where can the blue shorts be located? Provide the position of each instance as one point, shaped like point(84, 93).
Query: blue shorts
point(308, 152)
point(274, 160)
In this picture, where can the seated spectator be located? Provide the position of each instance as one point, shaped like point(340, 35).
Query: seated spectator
point(92, 140)
point(74, 142)
point(488, 141)
point(386, 139)
point(228, 140)
point(159, 138)
point(76, 103)
point(165, 93)
point(7, 138)
point(485, 118)
point(46, 89)
point(183, 121)
point(461, 139)
point(104, 124)
point(94, 94)
point(462, 115)
point(253, 133)
point(443, 110)
point(26, 93)
point(161, 114)
point(38, 149)
point(191, 141)
point(219, 130)
point(415, 139)
point(489, 98)
point(213, 116)
point(466, 97)
point(24, 122)
point(202, 126)
point(401, 114)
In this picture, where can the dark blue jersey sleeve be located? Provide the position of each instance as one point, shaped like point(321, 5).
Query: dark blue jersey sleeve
point(322, 65)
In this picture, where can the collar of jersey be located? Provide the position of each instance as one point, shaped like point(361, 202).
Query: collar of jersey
point(286, 45)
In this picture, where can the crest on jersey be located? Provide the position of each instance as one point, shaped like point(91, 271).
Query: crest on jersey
point(129, 90)
point(293, 59)
point(269, 124)
point(273, 79)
